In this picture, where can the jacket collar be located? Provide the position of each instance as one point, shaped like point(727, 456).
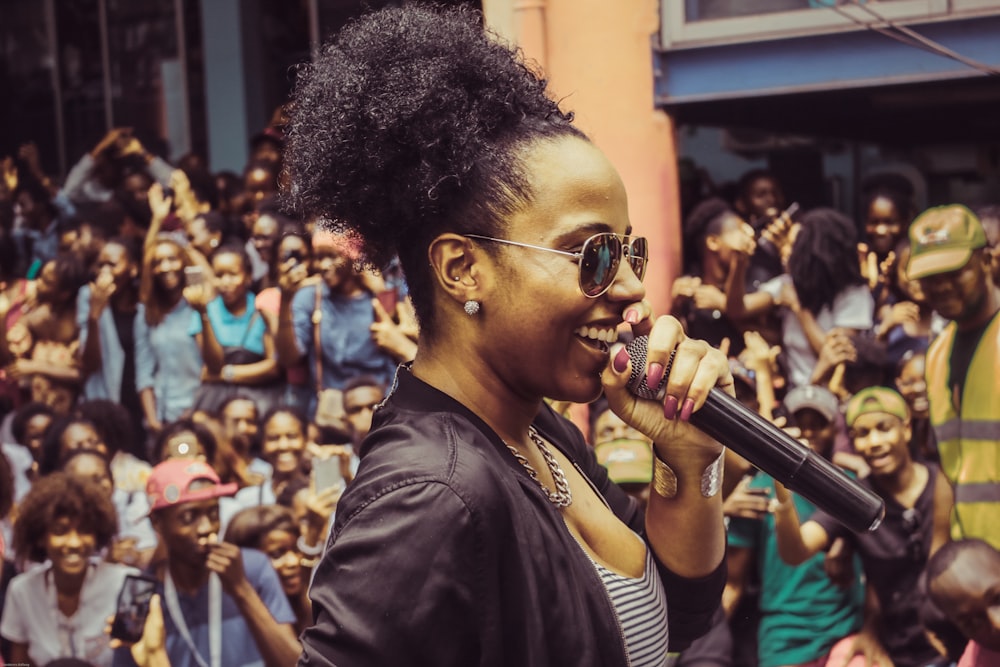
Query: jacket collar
point(410, 393)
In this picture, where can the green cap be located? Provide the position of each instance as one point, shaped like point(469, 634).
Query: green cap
point(876, 399)
point(942, 239)
point(627, 461)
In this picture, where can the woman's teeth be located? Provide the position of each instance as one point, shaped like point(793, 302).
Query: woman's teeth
point(598, 337)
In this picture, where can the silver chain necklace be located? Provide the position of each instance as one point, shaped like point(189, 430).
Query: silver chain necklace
point(562, 496)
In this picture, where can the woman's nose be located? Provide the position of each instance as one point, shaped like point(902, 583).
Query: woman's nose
point(627, 286)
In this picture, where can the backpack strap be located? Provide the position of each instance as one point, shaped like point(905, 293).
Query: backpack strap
point(317, 319)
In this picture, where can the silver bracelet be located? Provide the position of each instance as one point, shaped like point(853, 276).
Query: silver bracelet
point(665, 480)
point(307, 550)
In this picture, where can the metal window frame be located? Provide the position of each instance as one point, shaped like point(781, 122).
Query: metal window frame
point(107, 84)
point(676, 32)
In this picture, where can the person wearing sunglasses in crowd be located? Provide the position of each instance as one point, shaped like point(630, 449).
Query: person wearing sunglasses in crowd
point(484, 528)
point(918, 501)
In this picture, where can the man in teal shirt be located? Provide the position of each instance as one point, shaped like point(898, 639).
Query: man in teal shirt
point(802, 612)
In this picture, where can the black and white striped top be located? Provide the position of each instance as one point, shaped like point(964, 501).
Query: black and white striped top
point(641, 607)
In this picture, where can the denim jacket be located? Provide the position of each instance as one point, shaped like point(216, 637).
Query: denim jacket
point(168, 360)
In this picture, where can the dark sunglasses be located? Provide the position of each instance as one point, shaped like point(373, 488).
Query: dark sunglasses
point(598, 258)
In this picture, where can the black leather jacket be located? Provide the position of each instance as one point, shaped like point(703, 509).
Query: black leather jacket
point(445, 553)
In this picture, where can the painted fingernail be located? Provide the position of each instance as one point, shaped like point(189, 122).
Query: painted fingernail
point(687, 409)
point(632, 316)
point(620, 362)
point(670, 407)
point(654, 375)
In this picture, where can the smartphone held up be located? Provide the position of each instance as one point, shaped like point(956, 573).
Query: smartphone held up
point(133, 608)
point(327, 473)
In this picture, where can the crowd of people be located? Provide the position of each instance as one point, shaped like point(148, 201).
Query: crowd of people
point(191, 364)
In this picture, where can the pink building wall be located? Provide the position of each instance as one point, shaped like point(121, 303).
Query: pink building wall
point(597, 55)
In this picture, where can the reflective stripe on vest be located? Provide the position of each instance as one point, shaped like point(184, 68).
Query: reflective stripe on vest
point(986, 492)
point(968, 429)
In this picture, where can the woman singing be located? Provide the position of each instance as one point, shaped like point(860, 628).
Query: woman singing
point(480, 530)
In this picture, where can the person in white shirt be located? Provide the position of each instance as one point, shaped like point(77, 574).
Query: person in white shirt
point(59, 609)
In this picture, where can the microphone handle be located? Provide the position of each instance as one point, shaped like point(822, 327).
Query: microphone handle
point(782, 457)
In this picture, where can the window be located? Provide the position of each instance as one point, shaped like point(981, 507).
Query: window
point(692, 23)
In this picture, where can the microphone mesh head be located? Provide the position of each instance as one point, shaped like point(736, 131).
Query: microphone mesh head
point(637, 380)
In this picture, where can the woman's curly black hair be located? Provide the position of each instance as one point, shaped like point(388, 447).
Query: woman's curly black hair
point(59, 495)
point(824, 259)
point(413, 122)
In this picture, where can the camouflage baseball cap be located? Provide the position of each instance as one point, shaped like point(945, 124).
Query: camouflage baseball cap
point(942, 239)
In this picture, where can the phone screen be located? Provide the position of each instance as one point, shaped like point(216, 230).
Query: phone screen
point(133, 607)
point(194, 275)
point(327, 473)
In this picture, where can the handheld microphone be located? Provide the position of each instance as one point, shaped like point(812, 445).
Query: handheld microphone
point(772, 450)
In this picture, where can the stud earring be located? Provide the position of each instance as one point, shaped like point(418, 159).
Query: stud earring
point(471, 307)
point(456, 277)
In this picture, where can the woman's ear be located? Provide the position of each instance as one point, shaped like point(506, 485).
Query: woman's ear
point(457, 266)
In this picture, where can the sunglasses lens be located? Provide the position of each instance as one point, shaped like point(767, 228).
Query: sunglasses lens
point(638, 257)
point(599, 263)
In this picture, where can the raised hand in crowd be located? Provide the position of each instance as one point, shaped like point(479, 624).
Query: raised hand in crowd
point(187, 206)
point(294, 274)
point(709, 297)
point(161, 205)
point(390, 336)
point(746, 502)
point(872, 270)
point(780, 231)
point(317, 507)
point(407, 318)
point(102, 288)
point(685, 286)
point(343, 452)
point(200, 294)
point(838, 349)
point(900, 313)
point(8, 175)
point(113, 143)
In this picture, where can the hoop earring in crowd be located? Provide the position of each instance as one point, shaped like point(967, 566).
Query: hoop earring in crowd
point(471, 307)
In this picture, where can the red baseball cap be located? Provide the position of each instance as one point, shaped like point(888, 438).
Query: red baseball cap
point(169, 483)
